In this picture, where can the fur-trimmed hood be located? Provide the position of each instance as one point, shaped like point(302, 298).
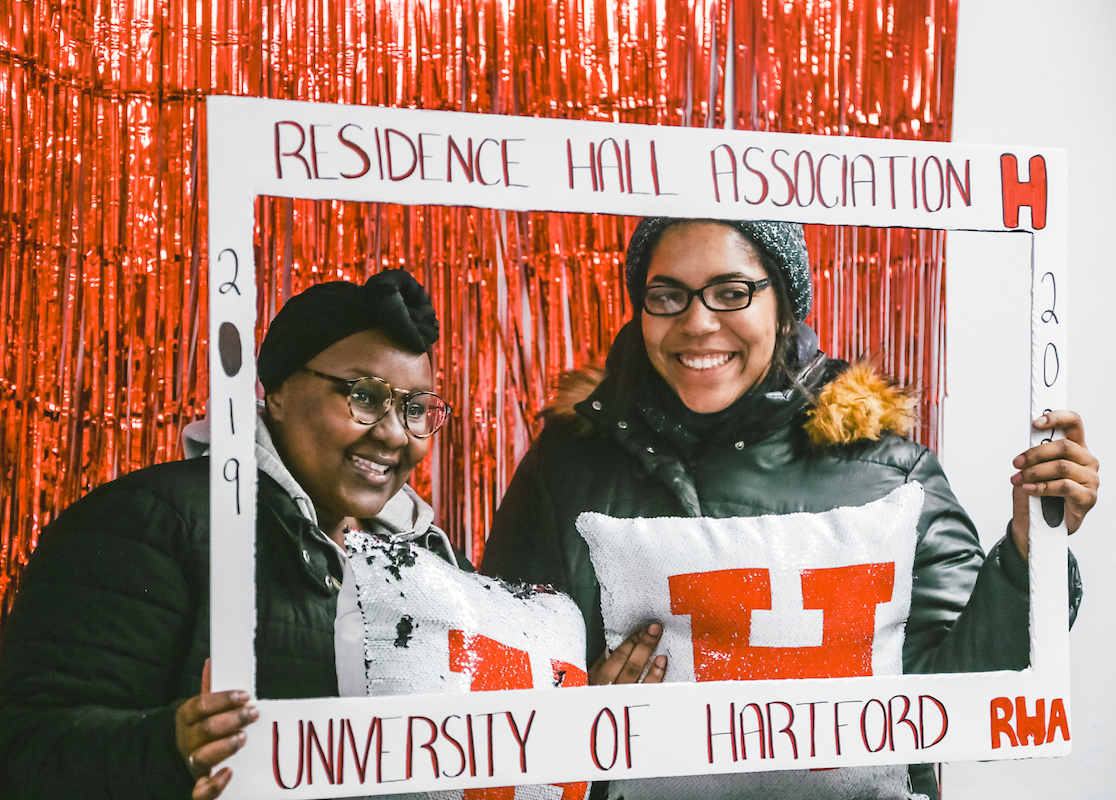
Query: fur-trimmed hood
point(858, 404)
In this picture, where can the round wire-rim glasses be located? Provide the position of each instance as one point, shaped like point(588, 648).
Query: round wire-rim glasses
point(371, 398)
point(733, 295)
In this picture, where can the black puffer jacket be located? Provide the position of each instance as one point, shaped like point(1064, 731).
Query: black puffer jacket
point(601, 454)
point(618, 465)
point(110, 632)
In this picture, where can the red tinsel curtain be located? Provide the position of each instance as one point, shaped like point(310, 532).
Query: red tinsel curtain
point(102, 205)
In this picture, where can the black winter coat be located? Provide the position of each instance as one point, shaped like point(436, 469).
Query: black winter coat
point(618, 465)
point(968, 613)
point(110, 631)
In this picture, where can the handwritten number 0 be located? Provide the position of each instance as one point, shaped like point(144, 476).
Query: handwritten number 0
point(1046, 377)
point(230, 284)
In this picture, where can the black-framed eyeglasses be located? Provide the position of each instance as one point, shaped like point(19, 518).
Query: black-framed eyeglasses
point(371, 398)
point(666, 301)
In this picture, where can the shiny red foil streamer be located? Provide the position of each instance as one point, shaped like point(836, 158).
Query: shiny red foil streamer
point(102, 205)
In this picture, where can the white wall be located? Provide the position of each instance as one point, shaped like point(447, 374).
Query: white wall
point(1033, 72)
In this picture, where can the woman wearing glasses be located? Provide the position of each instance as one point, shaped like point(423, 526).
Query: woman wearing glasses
point(107, 644)
point(716, 403)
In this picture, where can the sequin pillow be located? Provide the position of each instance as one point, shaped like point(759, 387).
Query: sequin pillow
point(772, 597)
point(430, 628)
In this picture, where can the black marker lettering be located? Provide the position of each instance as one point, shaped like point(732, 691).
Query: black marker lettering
point(233, 479)
point(1050, 351)
point(230, 284)
point(1048, 315)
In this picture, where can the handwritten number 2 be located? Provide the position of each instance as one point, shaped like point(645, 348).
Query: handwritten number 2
point(230, 284)
point(1048, 315)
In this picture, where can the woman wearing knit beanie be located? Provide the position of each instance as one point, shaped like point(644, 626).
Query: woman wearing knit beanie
point(733, 471)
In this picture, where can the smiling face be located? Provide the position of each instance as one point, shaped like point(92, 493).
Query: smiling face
point(709, 358)
point(348, 469)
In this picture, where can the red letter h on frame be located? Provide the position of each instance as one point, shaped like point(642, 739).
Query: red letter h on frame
point(1018, 193)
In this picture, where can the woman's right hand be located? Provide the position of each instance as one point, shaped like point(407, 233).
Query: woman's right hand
point(209, 728)
point(627, 662)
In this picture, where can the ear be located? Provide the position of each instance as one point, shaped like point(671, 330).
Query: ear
point(273, 405)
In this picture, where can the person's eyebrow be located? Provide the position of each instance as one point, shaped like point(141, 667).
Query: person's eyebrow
point(727, 276)
point(359, 374)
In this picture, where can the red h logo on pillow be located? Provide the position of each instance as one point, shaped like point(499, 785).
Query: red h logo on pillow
point(720, 606)
point(493, 666)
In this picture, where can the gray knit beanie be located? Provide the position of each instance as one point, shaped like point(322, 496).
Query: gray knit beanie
point(782, 242)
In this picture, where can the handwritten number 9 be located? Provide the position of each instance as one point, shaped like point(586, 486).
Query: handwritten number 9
point(233, 476)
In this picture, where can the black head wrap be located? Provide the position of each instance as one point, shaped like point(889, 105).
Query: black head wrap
point(391, 301)
point(782, 242)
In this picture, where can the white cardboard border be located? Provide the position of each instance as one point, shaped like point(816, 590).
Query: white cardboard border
point(667, 724)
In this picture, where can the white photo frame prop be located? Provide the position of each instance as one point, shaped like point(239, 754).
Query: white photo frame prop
point(366, 746)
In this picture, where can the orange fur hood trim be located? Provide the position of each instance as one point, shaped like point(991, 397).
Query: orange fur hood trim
point(858, 404)
point(572, 388)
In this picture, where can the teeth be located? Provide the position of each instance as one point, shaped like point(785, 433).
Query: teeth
point(370, 466)
point(705, 362)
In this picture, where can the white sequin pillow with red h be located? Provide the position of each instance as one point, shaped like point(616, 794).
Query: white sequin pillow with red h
point(432, 628)
point(800, 595)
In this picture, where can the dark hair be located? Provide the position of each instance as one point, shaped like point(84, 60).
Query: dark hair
point(784, 359)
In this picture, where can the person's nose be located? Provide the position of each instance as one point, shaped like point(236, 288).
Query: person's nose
point(389, 429)
point(697, 320)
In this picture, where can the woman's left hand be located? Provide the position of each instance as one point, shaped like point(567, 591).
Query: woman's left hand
point(1060, 468)
point(209, 728)
point(628, 661)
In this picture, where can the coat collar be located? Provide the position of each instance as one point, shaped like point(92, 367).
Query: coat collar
point(844, 404)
